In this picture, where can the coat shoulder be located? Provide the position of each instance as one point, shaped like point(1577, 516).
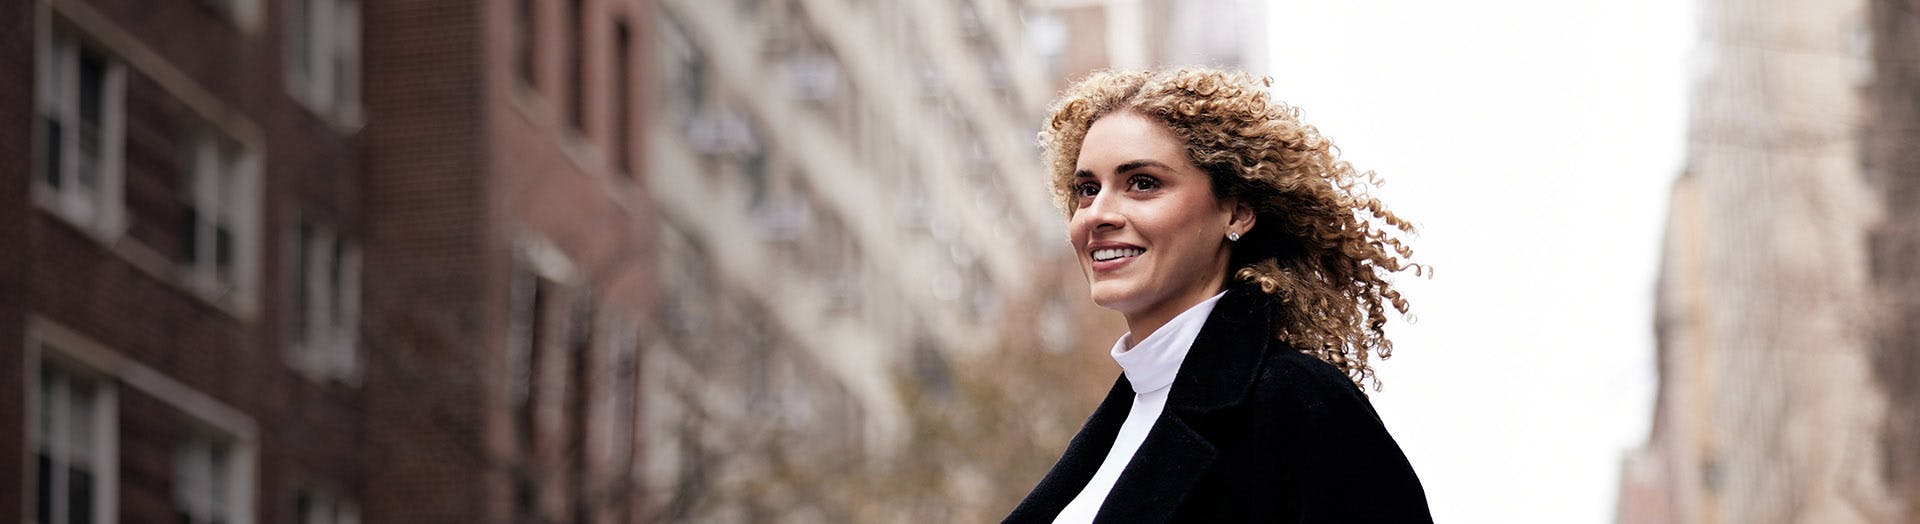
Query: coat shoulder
point(1293, 375)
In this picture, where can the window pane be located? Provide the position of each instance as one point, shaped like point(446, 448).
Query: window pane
point(302, 504)
point(303, 271)
point(577, 66)
point(523, 31)
point(223, 250)
point(56, 142)
point(80, 422)
point(51, 81)
point(93, 72)
point(93, 75)
point(189, 233)
point(335, 283)
point(300, 43)
point(79, 496)
point(46, 431)
point(217, 479)
point(43, 489)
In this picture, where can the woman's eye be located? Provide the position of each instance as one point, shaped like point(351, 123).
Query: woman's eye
point(1141, 183)
point(1086, 190)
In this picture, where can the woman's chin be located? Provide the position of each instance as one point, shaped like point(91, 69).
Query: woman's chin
point(1114, 296)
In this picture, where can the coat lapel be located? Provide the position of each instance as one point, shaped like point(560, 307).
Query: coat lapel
point(1170, 461)
point(1178, 452)
point(1083, 457)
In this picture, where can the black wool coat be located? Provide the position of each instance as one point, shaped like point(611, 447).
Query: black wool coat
point(1253, 431)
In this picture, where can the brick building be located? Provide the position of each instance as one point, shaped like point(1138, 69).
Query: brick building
point(182, 220)
point(318, 261)
point(508, 259)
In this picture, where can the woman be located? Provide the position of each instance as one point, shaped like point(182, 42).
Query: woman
point(1251, 268)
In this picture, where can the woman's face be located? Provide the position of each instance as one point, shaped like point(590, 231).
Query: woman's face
point(1148, 231)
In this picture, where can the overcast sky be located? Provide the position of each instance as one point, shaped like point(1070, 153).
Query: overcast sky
point(1533, 143)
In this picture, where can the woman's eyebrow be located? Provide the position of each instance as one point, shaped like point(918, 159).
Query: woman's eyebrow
point(1125, 167)
point(1137, 164)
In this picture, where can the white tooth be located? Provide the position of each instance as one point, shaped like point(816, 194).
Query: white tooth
point(1103, 255)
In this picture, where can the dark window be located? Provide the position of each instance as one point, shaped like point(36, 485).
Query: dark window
point(56, 142)
point(524, 43)
point(576, 69)
point(93, 74)
point(622, 99)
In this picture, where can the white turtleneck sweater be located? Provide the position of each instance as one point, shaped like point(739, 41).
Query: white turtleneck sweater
point(1150, 367)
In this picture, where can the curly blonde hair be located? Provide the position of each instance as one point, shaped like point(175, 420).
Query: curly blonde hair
point(1321, 245)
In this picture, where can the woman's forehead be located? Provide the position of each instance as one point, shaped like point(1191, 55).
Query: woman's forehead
point(1127, 140)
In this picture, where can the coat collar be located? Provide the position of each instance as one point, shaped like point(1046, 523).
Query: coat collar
point(1227, 353)
point(1216, 373)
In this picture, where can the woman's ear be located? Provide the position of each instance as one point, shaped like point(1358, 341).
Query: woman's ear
point(1242, 220)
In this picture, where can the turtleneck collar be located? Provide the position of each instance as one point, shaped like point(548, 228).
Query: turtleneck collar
point(1151, 364)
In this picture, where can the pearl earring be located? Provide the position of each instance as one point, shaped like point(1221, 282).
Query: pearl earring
point(1233, 236)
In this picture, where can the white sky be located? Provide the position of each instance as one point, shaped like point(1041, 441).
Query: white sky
point(1533, 143)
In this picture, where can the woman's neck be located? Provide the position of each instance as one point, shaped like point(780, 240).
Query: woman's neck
point(1144, 323)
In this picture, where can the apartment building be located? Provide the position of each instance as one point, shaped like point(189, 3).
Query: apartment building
point(858, 258)
point(323, 261)
point(183, 235)
point(1784, 361)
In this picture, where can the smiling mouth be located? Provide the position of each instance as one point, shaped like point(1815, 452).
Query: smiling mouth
point(1103, 255)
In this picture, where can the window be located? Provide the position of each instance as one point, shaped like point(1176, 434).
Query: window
point(205, 487)
point(326, 312)
point(73, 449)
point(525, 42)
point(81, 106)
point(622, 99)
point(625, 347)
point(577, 66)
point(221, 210)
point(323, 55)
point(528, 295)
point(322, 507)
point(685, 69)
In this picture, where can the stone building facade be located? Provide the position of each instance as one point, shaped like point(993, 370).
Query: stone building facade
point(867, 311)
point(1893, 168)
point(1784, 340)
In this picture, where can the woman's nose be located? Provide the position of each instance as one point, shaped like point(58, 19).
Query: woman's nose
point(1104, 213)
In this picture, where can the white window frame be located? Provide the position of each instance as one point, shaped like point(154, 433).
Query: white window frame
point(329, 347)
point(54, 430)
point(49, 340)
point(329, 82)
point(207, 477)
point(97, 210)
point(224, 188)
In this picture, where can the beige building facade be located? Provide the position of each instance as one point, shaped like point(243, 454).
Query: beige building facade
point(856, 249)
point(1768, 409)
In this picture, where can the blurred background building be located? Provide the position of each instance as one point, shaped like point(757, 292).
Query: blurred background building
point(1785, 310)
point(860, 263)
point(328, 261)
